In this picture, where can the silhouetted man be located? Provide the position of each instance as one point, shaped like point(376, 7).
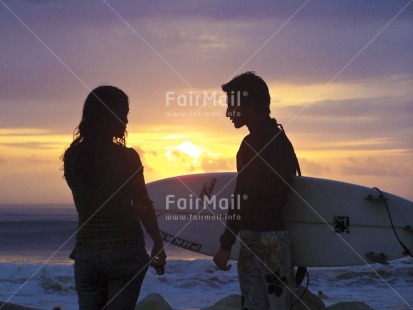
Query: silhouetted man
point(266, 163)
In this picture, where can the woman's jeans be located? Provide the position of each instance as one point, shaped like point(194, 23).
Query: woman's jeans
point(109, 278)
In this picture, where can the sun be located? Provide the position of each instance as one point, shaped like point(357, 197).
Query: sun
point(190, 149)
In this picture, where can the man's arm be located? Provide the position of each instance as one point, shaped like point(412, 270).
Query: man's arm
point(232, 227)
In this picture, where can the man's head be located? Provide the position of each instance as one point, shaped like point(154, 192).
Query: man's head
point(247, 97)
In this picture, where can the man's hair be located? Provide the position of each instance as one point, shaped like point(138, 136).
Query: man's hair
point(251, 90)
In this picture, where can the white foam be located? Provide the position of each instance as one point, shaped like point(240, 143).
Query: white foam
point(192, 284)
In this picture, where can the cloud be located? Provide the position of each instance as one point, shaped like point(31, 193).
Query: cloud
point(217, 10)
point(369, 124)
point(183, 46)
point(32, 145)
point(182, 160)
point(191, 46)
point(172, 40)
point(376, 167)
point(214, 164)
point(313, 168)
point(36, 160)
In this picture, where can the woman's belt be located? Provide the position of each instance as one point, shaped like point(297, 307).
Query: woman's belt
point(110, 243)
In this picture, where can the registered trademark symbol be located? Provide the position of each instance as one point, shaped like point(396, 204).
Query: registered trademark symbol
point(245, 93)
point(245, 197)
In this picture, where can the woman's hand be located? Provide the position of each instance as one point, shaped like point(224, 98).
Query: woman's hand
point(158, 258)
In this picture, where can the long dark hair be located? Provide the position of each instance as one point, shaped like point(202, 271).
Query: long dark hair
point(104, 112)
point(104, 119)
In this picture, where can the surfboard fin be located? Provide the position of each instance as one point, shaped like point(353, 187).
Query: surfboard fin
point(377, 258)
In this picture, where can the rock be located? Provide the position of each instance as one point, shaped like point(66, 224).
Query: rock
point(310, 300)
point(349, 305)
point(231, 302)
point(153, 301)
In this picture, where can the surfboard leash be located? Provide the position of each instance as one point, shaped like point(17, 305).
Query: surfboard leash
point(381, 196)
point(300, 274)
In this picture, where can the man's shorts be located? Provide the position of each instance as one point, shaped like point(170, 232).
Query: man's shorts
point(265, 270)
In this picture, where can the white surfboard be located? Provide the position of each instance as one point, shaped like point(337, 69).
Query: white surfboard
point(330, 223)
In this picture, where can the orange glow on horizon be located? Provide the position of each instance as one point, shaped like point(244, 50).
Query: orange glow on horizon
point(171, 146)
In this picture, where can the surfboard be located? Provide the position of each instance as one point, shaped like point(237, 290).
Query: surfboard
point(330, 223)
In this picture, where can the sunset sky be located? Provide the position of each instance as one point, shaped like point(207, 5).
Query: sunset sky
point(340, 75)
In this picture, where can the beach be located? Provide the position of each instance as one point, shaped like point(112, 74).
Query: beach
point(35, 270)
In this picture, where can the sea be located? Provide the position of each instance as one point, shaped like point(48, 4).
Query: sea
point(36, 271)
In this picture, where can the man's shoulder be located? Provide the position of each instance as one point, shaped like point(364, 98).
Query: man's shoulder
point(247, 141)
point(247, 138)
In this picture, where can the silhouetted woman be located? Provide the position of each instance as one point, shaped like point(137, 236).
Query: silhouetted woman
point(108, 187)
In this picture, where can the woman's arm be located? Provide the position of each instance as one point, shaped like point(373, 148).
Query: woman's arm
point(147, 215)
point(158, 255)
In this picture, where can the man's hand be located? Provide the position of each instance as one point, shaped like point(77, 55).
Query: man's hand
point(221, 259)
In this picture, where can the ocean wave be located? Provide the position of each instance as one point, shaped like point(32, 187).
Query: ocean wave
point(38, 224)
point(49, 281)
point(196, 283)
point(17, 213)
point(40, 231)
